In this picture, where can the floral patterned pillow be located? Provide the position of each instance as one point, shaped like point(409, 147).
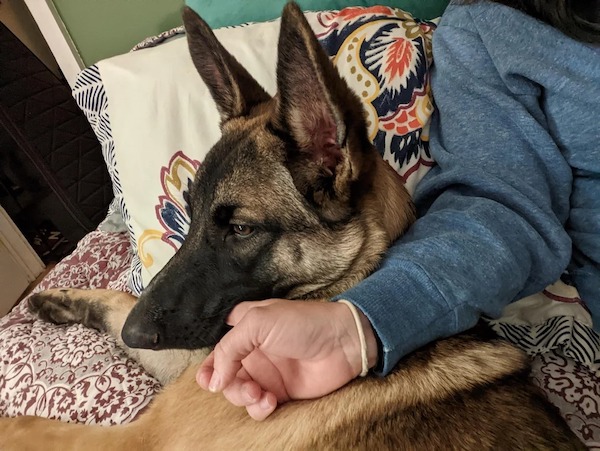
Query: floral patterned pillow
point(156, 121)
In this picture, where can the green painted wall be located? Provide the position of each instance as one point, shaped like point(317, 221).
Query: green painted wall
point(103, 28)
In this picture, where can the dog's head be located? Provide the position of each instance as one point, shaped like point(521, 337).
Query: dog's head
point(293, 201)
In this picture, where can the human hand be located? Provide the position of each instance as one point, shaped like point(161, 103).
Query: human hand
point(280, 350)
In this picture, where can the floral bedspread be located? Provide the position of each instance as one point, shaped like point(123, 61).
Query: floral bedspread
point(79, 375)
point(73, 373)
point(575, 390)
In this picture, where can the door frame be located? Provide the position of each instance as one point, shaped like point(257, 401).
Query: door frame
point(58, 38)
point(18, 247)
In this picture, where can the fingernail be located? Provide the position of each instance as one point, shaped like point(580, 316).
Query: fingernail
point(264, 403)
point(249, 396)
point(200, 378)
point(214, 383)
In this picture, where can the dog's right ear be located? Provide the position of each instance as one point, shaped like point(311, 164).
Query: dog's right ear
point(233, 89)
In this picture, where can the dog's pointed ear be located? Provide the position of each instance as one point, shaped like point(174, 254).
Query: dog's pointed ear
point(317, 109)
point(234, 90)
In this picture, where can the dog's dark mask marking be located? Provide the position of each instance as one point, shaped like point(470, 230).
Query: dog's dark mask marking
point(283, 204)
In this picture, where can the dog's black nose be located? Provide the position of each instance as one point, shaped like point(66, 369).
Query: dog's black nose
point(139, 335)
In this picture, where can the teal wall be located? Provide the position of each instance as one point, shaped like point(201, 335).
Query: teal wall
point(103, 28)
point(221, 13)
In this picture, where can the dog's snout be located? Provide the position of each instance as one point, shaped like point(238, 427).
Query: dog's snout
point(138, 335)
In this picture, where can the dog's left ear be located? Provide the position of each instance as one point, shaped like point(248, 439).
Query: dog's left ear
point(321, 113)
point(234, 90)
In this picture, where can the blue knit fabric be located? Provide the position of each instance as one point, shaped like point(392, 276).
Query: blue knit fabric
point(515, 197)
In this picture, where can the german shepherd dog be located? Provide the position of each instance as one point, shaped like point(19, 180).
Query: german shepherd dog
point(293, 201)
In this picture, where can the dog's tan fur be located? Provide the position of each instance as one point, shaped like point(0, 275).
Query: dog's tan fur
point(464, 392)
point(367, 414)
point(398, 412)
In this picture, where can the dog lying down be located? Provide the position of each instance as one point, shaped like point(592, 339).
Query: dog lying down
point(293, 201)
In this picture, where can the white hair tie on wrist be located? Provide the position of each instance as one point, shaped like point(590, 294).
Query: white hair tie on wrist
point(361, 337)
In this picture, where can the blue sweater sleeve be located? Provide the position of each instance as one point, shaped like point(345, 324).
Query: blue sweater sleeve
point(492, 212)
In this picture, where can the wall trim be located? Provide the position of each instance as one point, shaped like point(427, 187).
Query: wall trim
point(18, 247)
point(54, 31)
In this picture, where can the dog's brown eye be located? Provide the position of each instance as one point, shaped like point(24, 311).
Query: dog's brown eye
point(242, 229)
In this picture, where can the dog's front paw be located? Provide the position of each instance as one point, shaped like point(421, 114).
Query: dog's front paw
point(54, 306)
point(64, 306)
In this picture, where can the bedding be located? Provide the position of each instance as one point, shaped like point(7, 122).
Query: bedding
point(76, 374)
point(73, 373)
point(383, 53)
point(79, 375)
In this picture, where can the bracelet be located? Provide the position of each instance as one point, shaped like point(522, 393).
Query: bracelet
point(361, 337)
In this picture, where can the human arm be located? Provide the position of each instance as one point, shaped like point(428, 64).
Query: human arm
point(491, 213)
